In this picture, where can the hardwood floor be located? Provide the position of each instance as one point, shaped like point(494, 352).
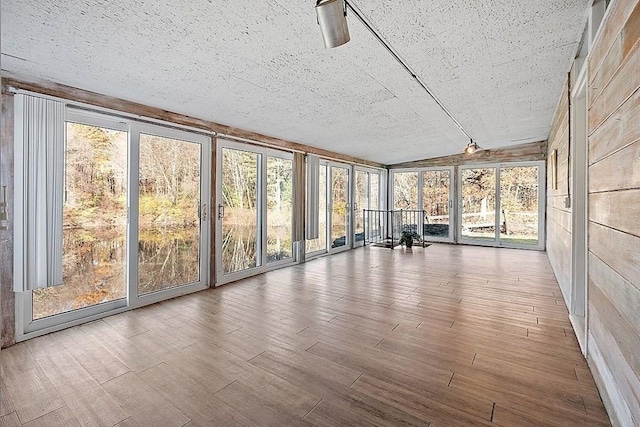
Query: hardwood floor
point(445, 335)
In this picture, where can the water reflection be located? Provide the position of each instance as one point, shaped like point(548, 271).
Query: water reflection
point(94, 268)
point(168, 259)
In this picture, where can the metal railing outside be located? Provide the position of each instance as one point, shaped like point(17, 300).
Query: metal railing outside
point(384, 228)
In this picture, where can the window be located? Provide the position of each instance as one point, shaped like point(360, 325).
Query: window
point(134, 220)
point(94, 222)
point(500, 205)
point(320, 244)
point(254, 210)
point(405, 190)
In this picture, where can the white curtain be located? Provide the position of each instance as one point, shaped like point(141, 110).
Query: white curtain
point(39, 129)
point(313, 197)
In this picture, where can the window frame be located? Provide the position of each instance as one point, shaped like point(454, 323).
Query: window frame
point(541, 164)
point(26, 326)
point(263, 266)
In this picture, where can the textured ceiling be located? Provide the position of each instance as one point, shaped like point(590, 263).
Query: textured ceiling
point(497, 65)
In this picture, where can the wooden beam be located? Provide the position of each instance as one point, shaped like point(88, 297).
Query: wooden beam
point(523, 152)
point(8, 309)
point(86, 97)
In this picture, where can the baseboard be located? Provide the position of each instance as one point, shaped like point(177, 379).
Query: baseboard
point(619, 413)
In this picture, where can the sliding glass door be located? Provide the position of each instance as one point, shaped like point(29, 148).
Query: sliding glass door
point(500, 205)
point(366, 196)
point(360, 203)
point(520, 206)
point(170, 195)
point(279, 203)
point(135, 223)
point(319, 245)
point(427, 194)
point(170, 207)
point(437, 194)
point(334, 210)
point(238, 213)
point(405, 190)
point(254, 210)
point(94, 228)
point(340, 236)
point(478, 204)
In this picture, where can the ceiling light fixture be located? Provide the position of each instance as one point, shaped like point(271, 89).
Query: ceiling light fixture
point(471, 148)
point(332, 18)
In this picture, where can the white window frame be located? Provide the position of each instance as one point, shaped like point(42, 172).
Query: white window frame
point(27, 328)
point(261, 234)
point(541, 205)
point(369, 172)
point(325, 251)
point(349, 226)
point(420, 201)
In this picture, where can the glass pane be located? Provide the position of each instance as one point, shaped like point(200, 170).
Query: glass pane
point(240, 202)
point(340, 198)
point(279, 208)
point(374, 195)
point(169, 223)
point(405, 190)
point(320, 244)
point(435, 200)
point(373, 223)
point(479, 204)
point(519, 205)
point(362, 202)
point(94, 222)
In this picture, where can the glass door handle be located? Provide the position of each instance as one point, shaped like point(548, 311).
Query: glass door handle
point(204, 212)
point(220, 211)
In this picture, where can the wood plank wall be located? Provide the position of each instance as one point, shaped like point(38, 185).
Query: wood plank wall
point(559, 217)
point(614, 212)
point(7, 309)
point(517, 153)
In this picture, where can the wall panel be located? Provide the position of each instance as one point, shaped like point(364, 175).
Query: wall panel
point(614, 212)
point(558, 216)
point(7, 311)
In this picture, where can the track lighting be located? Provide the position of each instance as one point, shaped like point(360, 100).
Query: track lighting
point(332, 18)
point(471, 148)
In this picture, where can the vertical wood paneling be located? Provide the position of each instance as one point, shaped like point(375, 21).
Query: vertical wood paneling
point(614, 200)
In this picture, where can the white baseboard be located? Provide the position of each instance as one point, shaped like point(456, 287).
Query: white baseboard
point(617, 408)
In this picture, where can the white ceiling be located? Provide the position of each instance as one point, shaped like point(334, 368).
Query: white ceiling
point(497, 65)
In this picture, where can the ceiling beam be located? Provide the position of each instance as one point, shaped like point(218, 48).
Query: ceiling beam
point(524, 152)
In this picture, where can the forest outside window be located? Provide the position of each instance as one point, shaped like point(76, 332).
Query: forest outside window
point(135, 220)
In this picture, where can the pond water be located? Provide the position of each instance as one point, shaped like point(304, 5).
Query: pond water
point(94, 270)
